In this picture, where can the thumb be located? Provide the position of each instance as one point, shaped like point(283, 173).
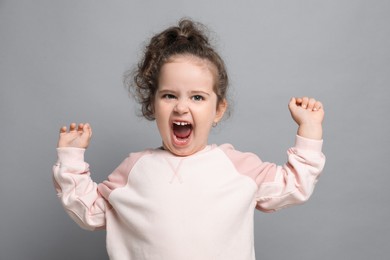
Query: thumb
point(87, 131)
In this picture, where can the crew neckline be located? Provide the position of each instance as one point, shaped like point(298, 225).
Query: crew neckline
point(167, 153)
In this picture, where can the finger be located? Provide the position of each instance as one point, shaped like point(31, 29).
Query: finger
point(63, 129)
point(292, 103)
point(305, 101)
point(88, 129)
point(310, 104)
point(87, 132)
point(80, 128)
point(72, 127)
point(317, 106)
point(297, 100)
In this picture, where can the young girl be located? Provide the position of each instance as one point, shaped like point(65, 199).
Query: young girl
point(186, 199)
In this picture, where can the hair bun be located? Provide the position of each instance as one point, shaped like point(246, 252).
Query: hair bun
point(190, 32)
point(182, 39)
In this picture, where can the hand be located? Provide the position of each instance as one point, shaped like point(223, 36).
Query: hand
point(308, 113)
point(76, 137)
point(306, 110)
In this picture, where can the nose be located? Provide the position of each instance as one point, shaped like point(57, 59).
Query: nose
point(181, 106)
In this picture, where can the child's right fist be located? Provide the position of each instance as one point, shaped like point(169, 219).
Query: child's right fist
point(76, 137)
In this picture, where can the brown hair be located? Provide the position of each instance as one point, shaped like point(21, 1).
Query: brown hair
point(188, 38)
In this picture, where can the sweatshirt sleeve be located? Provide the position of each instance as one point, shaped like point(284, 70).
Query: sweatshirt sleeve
point(288, 184)
point(294, 182)
point(78, 193)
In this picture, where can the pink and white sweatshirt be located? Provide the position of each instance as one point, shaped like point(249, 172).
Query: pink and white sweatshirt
point(159, 206)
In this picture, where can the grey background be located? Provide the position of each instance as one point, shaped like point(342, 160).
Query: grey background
point(63, 61)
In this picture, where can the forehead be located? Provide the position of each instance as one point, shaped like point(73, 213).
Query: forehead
point(187, 68)
point(189, 58)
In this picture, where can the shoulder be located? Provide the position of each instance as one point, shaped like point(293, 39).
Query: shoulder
point(135, 156)
point(119, 177)
point(128, 163)
point(243, 161)
point(232, 152)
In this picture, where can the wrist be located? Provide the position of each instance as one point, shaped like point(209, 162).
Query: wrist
point(310, 130)
point(70, 154)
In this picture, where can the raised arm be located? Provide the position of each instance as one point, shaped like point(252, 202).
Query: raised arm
point(78, 193)
point(293, 183)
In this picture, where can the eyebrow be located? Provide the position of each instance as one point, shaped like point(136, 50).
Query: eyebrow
point(194, 92)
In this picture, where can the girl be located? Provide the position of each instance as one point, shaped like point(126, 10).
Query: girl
point(186, 199)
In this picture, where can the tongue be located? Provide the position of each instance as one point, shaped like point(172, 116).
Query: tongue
point(182, 131)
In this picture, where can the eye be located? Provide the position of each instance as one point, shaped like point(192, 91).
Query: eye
point(168, 96)
point(197, 98)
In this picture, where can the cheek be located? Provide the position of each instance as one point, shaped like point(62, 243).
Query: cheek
point(159, 109)
point(162, 115)
point(206, 115)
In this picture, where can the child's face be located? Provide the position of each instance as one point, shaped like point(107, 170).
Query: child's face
point(185, 105)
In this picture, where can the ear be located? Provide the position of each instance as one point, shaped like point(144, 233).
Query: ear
point(221, 109)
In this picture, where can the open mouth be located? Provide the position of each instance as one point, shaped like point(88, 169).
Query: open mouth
point(182, 130)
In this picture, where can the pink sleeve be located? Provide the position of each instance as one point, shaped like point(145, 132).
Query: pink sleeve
point(84, 200)
point(118, 178)
point(282, 186)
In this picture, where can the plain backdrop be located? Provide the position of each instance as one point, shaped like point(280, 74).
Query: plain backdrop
point(63, 61)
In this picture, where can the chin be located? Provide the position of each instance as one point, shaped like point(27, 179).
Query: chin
point(180, 151)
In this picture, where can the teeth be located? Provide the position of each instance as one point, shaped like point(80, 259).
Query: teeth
point(181, 123)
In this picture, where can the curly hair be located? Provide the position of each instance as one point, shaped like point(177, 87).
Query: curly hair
point(187, 38)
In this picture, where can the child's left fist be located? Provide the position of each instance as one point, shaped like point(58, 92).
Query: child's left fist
point(306, 110)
